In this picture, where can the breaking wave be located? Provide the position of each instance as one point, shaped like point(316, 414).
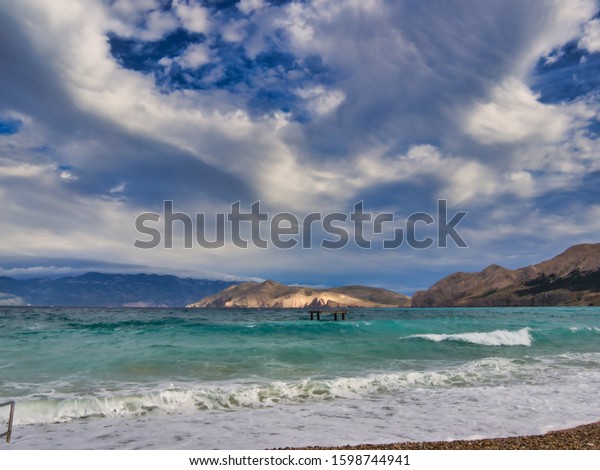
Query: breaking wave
point(189, 398)
point(521, 337)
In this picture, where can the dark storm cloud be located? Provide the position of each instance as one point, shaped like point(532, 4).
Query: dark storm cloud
point(106, 155)
point(409, 71)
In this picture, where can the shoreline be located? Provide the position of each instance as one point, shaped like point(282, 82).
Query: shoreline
point(584, 437)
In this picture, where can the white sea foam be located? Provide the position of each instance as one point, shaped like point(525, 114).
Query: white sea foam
point(521, 337)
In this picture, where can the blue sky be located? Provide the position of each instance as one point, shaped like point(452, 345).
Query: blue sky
point(109, 108)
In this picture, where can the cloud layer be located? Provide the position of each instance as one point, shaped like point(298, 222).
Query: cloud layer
point(108, 108)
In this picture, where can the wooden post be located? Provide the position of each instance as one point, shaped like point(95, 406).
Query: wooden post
point(335, 314)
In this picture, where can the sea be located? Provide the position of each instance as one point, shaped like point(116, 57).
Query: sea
point(125, 378)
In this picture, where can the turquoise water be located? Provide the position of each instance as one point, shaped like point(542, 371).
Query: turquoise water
point(68, 365)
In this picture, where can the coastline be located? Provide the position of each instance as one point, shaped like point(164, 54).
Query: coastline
point(584, 437)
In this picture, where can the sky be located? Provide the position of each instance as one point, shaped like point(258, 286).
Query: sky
point(108, 108)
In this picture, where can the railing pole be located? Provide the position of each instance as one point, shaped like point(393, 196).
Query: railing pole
point(11, 417)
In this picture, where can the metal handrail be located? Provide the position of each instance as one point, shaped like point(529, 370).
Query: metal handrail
point(10, 420)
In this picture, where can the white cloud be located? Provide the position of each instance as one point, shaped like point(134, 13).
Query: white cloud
point(140, 19)
point(521, 182)
point(23, 170)
point(423, 153)
point(248, 6)
point(41, 271)
point(134, 7)
point(321, 101)
point(118, 189)
point(158, 24)
point(591, 36)
point(513, 113)
point(233, 30)
point(67, 175)
point(552, 57)
point(194, 56)
point(10, 300)
point(193, 17)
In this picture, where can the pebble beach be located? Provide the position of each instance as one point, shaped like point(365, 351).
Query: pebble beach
point(586, 437)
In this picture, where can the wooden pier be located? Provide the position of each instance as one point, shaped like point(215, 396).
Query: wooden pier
point(335, 314)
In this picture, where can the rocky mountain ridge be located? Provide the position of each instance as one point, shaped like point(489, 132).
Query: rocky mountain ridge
point(107, 290)
point(571, 278)
point(271, 294)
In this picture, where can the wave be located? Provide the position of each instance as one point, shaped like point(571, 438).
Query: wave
point(521, 337)
point(58, 410)
point(575, 329)
point(189, 398)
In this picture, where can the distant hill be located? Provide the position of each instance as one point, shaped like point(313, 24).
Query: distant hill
point(271, 294)
point(108, 290)
point(571, 278)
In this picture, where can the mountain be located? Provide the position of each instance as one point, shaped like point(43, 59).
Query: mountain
point(107, 290)
point(571, 278)
point(271, 294)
